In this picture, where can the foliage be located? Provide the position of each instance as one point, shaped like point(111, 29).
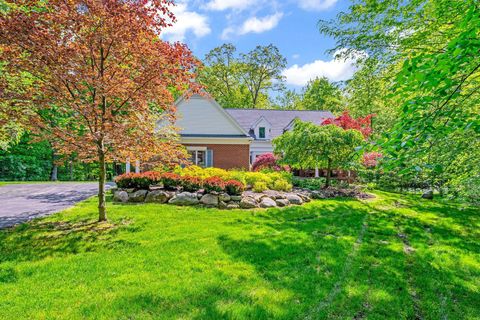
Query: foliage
point(234, 187)
point(191, 184)
point(309, 183)
point(244, 80)
point(100, 77)
point(260, 186)
point(26, 161)
point(214, 184)
point(345, 121)
point(429, 50)
point(281, 185)
point(138, 180)
point(370, 159)
point(321, 94)
point(310, 146)
point(366, 93)
point(268, 161)
point(244, 177)
point(170, 180)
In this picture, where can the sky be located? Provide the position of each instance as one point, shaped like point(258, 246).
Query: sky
point(291, 25)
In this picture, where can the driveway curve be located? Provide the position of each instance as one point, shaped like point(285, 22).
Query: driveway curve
point(23, 202)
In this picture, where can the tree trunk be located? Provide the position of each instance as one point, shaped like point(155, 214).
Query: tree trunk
point(329, 174)
point(54, 173)
point(102, 214)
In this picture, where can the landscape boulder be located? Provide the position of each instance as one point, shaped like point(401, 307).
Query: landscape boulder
point(267, 203)
point(209, 200)
point(224, 197)
point(158, 196)
point(184, 199)
point(294, 199)
point(137, 196)
point(120, 196)
point(248, 203)
point(282, 202)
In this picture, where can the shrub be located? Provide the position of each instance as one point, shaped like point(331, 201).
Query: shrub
point(268, 161)
point(309, 183)
point(234, 187)
point(214, 184)
point(170, 180)
point(191, 184)
point(282, 185)
point(252, 178)
point(138, 180)
point(260, 186)
point(370, 159)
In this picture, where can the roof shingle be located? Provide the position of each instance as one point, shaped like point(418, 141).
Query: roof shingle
point(279, 119)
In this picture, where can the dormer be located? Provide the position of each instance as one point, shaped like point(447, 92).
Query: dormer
point(261, 129)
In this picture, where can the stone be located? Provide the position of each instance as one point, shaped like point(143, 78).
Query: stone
point(282, 202)
point(248, 203)
point(222, 205)
point(428, 195)
point(236, 198)
point(294, 199)
point(209, 200)
point(233, 205)
point(267, 203)
point(120, 196)
point(272, 194)
point(137, 196)
point(259, 196)
point(157, 196)
point(224, 197)
point(304, 197)
point(184, 199)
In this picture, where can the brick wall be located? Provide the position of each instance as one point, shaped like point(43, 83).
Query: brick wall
point(228, 156)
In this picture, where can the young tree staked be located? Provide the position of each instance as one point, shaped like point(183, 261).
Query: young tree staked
point(101, 71)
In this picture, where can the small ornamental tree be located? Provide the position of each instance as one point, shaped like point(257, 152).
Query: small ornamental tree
point(268, 161)
point(370, 159)
point(100, 77)
point(309, 146)
point(345, 121)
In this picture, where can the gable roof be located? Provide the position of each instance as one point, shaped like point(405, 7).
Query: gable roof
point(279, 119)
point(202, 116)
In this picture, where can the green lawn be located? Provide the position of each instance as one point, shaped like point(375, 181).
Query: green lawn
point(392, 257)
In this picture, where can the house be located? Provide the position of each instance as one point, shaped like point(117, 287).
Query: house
point(232, 138)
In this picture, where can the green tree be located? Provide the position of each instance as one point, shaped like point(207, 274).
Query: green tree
point(288, 100)
point(310, 146)
point(432, 48)
point(366, 93)
point(321, 94)
point(243, 80)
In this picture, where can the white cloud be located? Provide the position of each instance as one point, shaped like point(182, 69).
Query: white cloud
point(220, 5)
point(334, 70)
point(187, 21)
point(259, 25)
point(316, 4)
point(295, 56)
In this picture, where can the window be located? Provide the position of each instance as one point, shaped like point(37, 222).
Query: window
point(200, 156)
point(261, 133)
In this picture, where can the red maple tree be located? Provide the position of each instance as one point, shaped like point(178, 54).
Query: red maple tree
point(346, 121)
point(100, 79)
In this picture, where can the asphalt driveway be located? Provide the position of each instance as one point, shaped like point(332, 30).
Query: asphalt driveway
point(22, 202)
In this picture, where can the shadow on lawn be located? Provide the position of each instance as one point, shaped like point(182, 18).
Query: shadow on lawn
point(40, 239)
point(352, 260)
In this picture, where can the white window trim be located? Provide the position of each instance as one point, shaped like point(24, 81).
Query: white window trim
point(197, 148)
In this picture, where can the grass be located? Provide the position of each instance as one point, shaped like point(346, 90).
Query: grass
point(393, 257)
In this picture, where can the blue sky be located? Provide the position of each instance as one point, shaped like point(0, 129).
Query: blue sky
point(291, 25)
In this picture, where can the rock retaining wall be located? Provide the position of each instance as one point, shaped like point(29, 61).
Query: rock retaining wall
point(248, 199)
